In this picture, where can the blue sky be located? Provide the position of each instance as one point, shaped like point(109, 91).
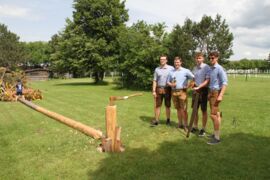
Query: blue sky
point(35, 20)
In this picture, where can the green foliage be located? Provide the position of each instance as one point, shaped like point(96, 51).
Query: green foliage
point(248, 64)
point(140, 48)
point(181, 43)
point(214, 35)
point(12, 52)
point(205, 36)
point(37, 53)
point(88, 43)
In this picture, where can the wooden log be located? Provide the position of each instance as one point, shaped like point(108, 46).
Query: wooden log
point(117, 146)
point(194, 112)
point(111, 124)
point(107, 145)
point(96, 134)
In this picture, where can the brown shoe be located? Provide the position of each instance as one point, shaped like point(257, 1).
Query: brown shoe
point(154, 123)
point(180, 126)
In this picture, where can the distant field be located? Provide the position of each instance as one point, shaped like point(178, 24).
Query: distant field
point(33, 146)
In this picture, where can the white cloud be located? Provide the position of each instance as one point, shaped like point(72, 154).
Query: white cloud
point(263, 55)
point(259, 37)
point(247, 53)
point(253, 14)
point(248, 19)
point(13, 11)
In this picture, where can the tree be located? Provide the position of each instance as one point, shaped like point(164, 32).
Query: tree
point(140, 48)
point(38, 53)
point(89, 42)
point(248, 64)
point(214, 35)
point(181, 43)
point(12, 53)
point(204, 36)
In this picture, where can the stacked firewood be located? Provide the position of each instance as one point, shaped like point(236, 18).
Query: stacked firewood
point(8, 81)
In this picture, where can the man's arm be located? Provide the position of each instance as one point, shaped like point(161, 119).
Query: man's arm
point(204, 84)
point(224, 80)
point(169, 81)
point(171, 84)
point(222, 91)
point(154, 86)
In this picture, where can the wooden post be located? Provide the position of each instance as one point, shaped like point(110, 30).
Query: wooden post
point(111, 124)
point(113, 132)
point(117, 143)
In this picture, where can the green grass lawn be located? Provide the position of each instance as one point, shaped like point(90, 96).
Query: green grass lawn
point(33, 146)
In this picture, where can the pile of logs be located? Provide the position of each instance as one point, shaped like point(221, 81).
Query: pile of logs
point(8, 81)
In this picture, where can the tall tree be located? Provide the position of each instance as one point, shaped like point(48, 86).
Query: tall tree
point(214, 35)
point(12, 52)
point(140, 48)
point(181, 43)
point(89, 41)
point(37, 53)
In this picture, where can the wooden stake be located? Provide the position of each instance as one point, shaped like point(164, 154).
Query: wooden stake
point(117, 146)
point(111, 124)
point(107, 145)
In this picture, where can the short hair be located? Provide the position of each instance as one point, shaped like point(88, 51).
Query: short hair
point(198, 54)
point(177, 58)
point(163, 55)
point(214, 53)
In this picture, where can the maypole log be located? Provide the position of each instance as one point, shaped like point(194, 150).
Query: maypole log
point(96, 134)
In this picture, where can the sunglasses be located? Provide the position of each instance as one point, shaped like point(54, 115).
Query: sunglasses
point(211, 58)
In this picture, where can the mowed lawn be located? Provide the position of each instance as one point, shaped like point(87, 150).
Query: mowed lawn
point(33, 146)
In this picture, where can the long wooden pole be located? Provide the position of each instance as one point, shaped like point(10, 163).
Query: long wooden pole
point(194, 112)
point(96, 134)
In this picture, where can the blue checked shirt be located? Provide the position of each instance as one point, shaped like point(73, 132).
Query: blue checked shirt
point(181, 76)
point(218, 77)
point(201, 73)
point(161, 75)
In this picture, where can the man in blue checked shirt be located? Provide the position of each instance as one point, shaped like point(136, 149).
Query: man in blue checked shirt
point(160, 90)
point(178, 80)
point(202, 75)
point(217, 87)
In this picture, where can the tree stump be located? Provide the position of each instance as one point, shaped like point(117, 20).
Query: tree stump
point(112, 142)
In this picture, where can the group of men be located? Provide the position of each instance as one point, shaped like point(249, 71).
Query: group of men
point(209, 81)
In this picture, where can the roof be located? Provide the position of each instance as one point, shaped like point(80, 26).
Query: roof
point(38, 69)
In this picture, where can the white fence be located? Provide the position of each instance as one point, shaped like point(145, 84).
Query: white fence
point(249, 73)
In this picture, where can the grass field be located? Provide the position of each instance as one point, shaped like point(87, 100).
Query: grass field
point(33, 146)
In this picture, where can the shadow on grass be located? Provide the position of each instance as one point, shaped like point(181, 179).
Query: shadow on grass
point(148, 120)
point(131, 89)
point(103, 83)
point(239, 156)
